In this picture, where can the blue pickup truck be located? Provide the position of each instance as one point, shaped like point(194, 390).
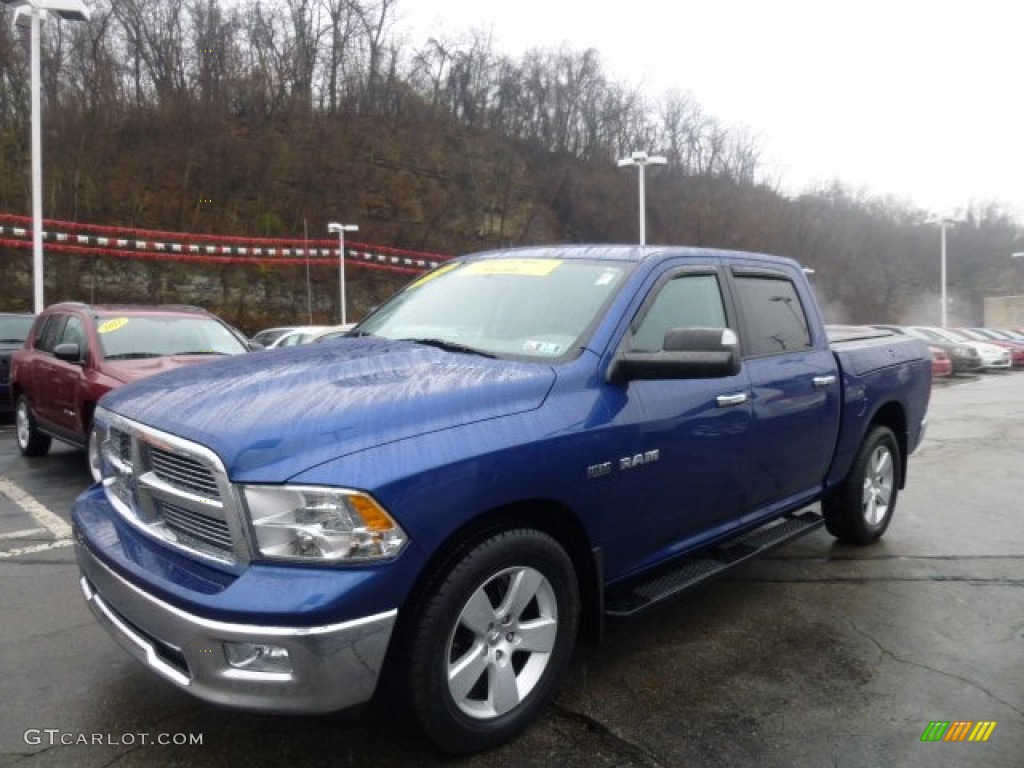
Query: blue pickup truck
point(517, 447)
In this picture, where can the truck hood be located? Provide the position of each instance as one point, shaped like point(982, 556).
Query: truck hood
point(271, 415)
point(127, 371)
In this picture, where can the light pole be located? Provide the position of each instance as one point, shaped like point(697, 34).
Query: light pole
point(641, 160)
point(341, 229)
point(36, 10)
point(942, 225)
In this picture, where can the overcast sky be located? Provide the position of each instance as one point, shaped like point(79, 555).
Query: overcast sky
point(920, 100)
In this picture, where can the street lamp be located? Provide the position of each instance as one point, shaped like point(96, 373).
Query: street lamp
point(36, 11)
point(641, 160)
point(943, 222)
point(341, 229)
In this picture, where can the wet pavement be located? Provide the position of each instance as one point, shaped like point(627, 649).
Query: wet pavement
point(818, 655)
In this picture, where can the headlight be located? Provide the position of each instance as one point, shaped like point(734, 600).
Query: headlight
point(328, 524)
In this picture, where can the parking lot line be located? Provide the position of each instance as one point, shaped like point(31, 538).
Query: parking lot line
point(47, 522)
point(23, 534)
point(33, 507)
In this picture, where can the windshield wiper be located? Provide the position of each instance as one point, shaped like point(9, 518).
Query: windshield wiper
point(132, 356)
point(450, 346)
point(201, 352)
point(12, 341)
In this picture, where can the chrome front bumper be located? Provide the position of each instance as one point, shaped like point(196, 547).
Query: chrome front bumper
point(332, 666)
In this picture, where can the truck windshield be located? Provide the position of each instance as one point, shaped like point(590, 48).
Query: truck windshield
point(524, 308)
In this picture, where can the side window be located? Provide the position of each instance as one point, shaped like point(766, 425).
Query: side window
point(73, 332)
point(774, 319)
point(687, 301)
point(47, 337)
point(39, 331)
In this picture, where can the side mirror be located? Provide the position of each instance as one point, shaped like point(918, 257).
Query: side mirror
point(69, 352)
point(687, 353)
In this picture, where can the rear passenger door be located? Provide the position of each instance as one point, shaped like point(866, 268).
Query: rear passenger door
point(794, 389)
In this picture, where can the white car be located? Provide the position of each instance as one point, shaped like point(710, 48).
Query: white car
point(992, 357)
point(302, 334)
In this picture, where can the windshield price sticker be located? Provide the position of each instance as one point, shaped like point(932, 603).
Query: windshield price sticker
point(113, 325)
point(525, 267)
point(436, 273)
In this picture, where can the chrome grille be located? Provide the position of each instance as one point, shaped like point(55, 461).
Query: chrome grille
point(183, 472)
point(123, 443)
point(172, 489)
point(195, 525)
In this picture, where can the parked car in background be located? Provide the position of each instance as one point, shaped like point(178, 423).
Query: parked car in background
point(992, 357)
point(965, 357)
point(14, 327)
point(337, 332)
point(942, 365)
point(1015, 347)
point(76, 353)
point(302, 334)
point(268, 336)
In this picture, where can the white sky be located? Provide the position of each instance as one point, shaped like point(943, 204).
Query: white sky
point(920, 100)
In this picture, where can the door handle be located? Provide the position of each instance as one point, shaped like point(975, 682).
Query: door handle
point(725, 401)
point(824, 381)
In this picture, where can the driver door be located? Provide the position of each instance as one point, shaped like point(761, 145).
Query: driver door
point(684, 442)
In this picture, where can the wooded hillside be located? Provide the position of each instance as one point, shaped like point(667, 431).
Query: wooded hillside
point(265, 118)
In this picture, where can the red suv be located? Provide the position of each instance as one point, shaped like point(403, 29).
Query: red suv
point(76, 353)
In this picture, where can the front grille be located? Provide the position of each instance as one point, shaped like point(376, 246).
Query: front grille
point(173, 489)
point(4, 366)
point(183, 472)
point(196, 526)
point(123, 445)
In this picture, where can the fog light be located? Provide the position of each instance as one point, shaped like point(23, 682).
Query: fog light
point(258, 657)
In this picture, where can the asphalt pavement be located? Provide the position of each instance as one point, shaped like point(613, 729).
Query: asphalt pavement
point(818, 655)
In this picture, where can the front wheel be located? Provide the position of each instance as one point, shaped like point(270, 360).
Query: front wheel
point(31, 442)
point(860, 508)
point(490, 638)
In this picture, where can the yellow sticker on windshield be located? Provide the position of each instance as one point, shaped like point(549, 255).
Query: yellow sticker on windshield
point(435, 273)
point(113, 325)
point(527, 267)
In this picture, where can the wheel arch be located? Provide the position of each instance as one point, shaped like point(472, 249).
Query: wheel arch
point(893, 416)
point(545, 515)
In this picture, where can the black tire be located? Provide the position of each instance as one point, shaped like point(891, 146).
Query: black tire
point(466, 639)
point(31, 442)
point(860, 508)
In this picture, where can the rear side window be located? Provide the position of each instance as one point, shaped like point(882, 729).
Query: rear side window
point(774, 318)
